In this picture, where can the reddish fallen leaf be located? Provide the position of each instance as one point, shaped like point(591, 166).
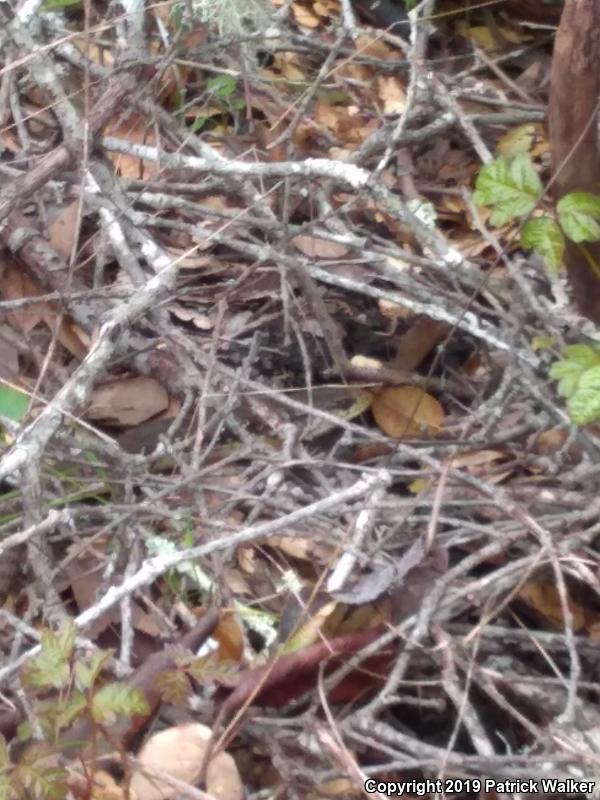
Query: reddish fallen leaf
point(290, 675)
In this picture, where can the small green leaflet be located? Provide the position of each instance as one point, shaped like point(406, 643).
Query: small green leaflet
point(5, 786)
point(545, 237)
point(50, 668)
point(13, 403)
point(223, 86)
point(86, 674)
point(579, 216)
point(56, 5)
point(118, 699)
point(579, 358)
point(511, 186)
point(584, 403)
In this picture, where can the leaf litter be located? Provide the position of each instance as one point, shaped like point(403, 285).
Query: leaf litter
point(204, 425)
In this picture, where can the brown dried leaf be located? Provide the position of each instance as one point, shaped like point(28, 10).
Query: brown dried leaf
point(304, 17)
point(15, 285)
point(230, 638)
point(541, 594)
point(319, 248)
point(64, 229)
point(129, 401)
point(407, 412)
point(137, 130)
point(302, 548)
point(417, 342)
point(476, 458)
point(84, 570)
point(391, 93)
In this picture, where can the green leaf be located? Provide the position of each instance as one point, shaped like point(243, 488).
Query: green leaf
point(177, 15)
point(584, 403)
point(86, 675)
point(118, 699)
point(579, 216)
point(578, 359)
point(66, 711)
point(25, 731)
point(211, 668)
point(222, 86)
point(5, 783)
point(545, 237)
point(51, 667)
point(174, 686)
point(13, 403)
point(198, 124)
point(39, 773)
point(511, 186)
point(56, 5)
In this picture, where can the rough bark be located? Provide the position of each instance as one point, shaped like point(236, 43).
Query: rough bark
point(573, 112)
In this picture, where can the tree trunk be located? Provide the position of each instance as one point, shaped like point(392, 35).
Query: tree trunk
point(573, 112)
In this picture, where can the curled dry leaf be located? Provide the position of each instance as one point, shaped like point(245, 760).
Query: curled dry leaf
point(407, 412)
point(178, 753)
point(128, 401)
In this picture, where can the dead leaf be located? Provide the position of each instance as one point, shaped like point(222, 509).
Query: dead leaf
point(9, 358)
point(230, 637)
point(235, 581)
point(517, 140)
point(407, 412)
point(137, 130)
point(304, 17)
point(289, 675)
point(391, 93)
point(541, 594)
point(129, 401)
point(84, 570)
point(71, 336)
point(393, 311)
point(179, 752)
point(483, 37)
point(199, 319)
point(476, 458)
point(319, 248)
point(548, 442)
point(374, 47)
point(288, 64)
point(417, 342)
point(301, 548)
point(15, 285)
point(64, 229)
point(308, 632)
